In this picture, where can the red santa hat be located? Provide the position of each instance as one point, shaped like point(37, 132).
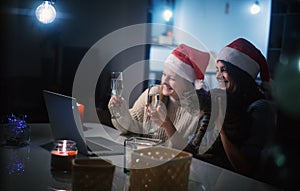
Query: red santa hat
point(244, 55)
point(188, 62)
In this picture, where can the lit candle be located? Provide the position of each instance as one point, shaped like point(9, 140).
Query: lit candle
point(62, 155)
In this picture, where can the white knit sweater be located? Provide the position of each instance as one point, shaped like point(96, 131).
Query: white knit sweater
point(185, 116)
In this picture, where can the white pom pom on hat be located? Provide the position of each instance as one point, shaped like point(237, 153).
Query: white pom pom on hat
point(188, 62)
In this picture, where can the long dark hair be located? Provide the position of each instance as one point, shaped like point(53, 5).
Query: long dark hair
point(243, 86)
point(242, 92)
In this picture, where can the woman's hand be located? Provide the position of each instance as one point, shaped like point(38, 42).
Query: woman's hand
point(115, 102)
point(160, 118)
point(157, 115)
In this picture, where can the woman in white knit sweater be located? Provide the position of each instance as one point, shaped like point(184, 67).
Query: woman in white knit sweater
point(178, 113)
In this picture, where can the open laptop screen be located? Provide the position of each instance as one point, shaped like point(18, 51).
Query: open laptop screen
point(64, 118)
point(66, 123)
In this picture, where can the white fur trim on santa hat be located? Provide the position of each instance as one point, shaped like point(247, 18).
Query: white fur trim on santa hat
point(182, 69)
point(240, 60)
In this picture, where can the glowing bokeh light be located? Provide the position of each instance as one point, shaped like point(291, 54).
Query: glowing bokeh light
point(168, 15)
point(45, 13)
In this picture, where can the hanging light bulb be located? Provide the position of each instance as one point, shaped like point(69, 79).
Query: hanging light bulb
point(45, 12)
point(255, 8)
point(168, 15)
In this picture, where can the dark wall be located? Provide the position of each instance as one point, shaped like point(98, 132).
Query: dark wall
point(38, 56)
point(281, 165)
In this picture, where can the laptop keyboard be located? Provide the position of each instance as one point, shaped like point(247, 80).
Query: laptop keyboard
point(99, 143)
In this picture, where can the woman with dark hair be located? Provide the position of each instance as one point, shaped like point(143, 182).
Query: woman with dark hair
point(244, 130)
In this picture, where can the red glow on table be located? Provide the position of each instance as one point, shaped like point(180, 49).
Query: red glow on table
point(81, 110)
point(64, 153)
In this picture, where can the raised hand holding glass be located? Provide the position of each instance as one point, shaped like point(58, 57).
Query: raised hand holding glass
point(153, 101)
point(153, 97)
point(116, 89)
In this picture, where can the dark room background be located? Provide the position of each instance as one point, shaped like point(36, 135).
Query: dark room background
point(36, 56)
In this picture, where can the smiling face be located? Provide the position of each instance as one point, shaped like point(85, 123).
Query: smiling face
point(172, 84)
point(222, 76)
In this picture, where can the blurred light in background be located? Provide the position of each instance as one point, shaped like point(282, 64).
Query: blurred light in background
point(167, 15)
point(255, 8)
point(45, 12)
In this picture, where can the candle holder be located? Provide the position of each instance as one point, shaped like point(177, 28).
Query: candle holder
point(15, 132)
point(62, 154)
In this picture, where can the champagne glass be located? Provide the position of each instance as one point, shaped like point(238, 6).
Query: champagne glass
point(153, 100)
point(153, 97)
point(116, 89)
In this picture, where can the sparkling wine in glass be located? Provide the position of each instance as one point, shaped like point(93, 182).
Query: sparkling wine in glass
point(153, 97)
point(116, 88)
point(153, 101)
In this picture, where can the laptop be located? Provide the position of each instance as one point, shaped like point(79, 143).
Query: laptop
point(65, 123)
